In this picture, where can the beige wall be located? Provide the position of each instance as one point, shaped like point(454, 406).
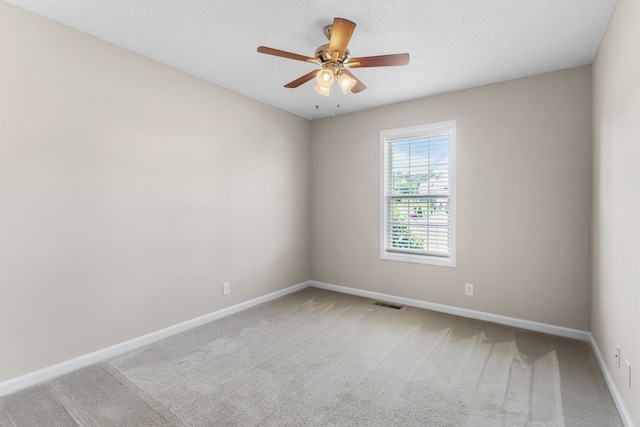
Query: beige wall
point(129, 192)
point(616, 214)
point(524, 200)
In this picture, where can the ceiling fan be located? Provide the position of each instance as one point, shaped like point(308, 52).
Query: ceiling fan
point(335, 60)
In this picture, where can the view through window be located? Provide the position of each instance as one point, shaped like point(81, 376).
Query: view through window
point(418, 200)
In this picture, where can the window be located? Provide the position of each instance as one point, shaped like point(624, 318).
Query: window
point(418, 218)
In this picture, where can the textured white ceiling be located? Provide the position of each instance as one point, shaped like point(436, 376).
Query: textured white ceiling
point(454, 44)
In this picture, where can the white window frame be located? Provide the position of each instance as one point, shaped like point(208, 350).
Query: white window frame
point(424, 130)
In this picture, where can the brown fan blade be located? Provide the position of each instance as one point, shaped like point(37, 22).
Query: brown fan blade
point(340, 35)
point(379, 61)
point(297, 82)
point(359, 86)
point(283, 54)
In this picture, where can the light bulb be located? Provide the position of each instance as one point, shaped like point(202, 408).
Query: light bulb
point(324, 77)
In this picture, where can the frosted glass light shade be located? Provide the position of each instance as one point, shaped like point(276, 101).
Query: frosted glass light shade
point(324, 91)
point(324, 77)
point(346, 82)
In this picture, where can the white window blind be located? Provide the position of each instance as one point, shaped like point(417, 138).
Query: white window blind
point(418, 212)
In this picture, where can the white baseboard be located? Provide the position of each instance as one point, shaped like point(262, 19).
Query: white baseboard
point(495, 318)
point(50, 372)
point(463, 312)
point(615, 394)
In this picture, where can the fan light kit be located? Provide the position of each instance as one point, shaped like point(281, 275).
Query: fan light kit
point(335, 59)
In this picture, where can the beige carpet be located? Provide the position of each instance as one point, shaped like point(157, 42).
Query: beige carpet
point(321, 358)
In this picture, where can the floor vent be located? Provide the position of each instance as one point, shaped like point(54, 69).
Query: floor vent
point(388, 305)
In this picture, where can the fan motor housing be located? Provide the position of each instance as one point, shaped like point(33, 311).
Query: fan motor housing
point(322, 53)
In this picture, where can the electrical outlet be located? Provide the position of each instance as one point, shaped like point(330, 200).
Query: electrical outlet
point(226, 288)
point(617, 356)
point(628, 373)
point(468, 289)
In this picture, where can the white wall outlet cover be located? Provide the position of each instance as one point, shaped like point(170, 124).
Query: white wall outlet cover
point(468, 289)
point(628, 373)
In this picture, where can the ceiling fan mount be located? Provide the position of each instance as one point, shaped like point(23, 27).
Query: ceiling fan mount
point(327, 31)
point(323, 51)
point(335, 60)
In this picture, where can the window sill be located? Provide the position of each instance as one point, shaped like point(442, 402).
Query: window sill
point(418, 259)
